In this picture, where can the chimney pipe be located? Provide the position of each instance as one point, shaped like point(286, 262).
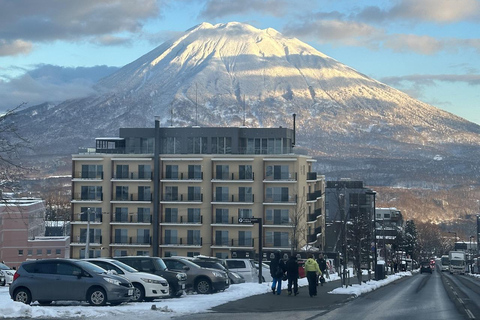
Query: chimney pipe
point(294, 130)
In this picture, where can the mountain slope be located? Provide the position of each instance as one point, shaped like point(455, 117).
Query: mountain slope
point(234, 74)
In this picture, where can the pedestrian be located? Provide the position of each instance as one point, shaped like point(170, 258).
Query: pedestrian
point(322, 264)
point(312, 270)
point(292, 275)
point(277, 271)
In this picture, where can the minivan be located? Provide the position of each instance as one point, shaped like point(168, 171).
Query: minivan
point(68, 279)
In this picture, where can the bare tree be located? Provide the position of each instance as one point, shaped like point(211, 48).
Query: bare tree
point(297, 222)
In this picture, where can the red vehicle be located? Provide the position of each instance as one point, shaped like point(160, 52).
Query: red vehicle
point(301, 270)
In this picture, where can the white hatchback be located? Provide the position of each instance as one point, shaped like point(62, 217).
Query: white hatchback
point(245, 267)
point(147, 287)
point(6, 274)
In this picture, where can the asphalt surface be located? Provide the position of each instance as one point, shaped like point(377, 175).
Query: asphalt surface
point(269, 302)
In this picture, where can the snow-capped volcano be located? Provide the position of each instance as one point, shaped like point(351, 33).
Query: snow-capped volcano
point(233, 74)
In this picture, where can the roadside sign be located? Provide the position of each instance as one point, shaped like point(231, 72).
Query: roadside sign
point(249, 220)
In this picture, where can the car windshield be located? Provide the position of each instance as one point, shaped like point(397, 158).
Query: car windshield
point(90, 267)
point(3, 267)
point(123, 266)
point(160, 264)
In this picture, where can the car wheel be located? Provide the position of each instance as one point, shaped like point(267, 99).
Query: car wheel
point(22, 295)
point(44, 302)
point(203, 286)
point(97, 297)
point(138, 293)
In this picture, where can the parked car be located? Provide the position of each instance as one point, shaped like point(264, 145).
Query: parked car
point(68, 279)
point(215, 263)
point(266, 276)
point(245, 267)
point(176, 279)
point(425, 267)
point(146, 286)
point(199, 279)
point(6, 273)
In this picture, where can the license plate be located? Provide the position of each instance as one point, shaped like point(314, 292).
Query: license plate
point(130, 292)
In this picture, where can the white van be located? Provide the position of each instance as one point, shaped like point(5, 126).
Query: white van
point(245, 267)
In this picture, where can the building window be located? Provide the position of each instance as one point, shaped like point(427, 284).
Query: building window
point(245, 172)
point(245, 194)
point(171, 237)
point(197, 145)
point(221, 216)
point(143, 253)
point(29, 252)
point(277, 239)
point(193, 253)
point(121, 214)
point(95, 214)
point(120, 253)
point(121, 236)
point(170, 145)
point(244, 213)
point(90, 171)
point(20, 252)
point(143, 236)
point(222, 172)
point(91, 193)
point(221, 194)
point(144, 215)
point(171, 172)
point(122, 171)
point(194, 172)
point(277, 194)
point(193, 237)
point(277, 173)
point(49, 252)
point(171, 193)
point(121, 193)
point(221, 145)
point(39, 252)
point(145, 171)
point(277, 216)
point(245, 238)
point(58, 251)
point(144, 193)
point(221, 238)
point(170, 253)
point(171, 214)
point(194, 194)
point(194, 215)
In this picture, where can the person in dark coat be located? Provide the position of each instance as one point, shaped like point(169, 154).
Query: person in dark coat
point(277, 270)
point(322, 264)
point(292, 275)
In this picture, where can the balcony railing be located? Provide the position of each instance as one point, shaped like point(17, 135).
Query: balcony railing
point(195, 197)
point(234, 198)
point(184, 219)
point(83, 239)
point(237, 176)
point(87, 197)
point(311, 238)
point(311, 176)
point(132, 197)
point(287, 176)
point(314, 195)
point(83, 216)
point(87, 175)
point(289, 199)
point(133, 240)
point(183, 176)
point(183, 241)
point(132, 218)
point(134, 176)
point(235, 243)
point(230, 220)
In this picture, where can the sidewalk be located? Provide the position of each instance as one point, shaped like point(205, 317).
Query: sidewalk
point(269, 302)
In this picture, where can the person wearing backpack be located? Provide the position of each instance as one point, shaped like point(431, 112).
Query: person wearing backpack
point(277, 271)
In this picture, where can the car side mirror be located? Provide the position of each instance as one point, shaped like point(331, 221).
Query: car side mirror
point(186, 268)
point(77, 273)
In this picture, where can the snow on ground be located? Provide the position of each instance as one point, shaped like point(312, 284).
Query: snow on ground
point(165, 308)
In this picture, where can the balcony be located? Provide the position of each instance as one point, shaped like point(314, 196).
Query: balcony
point(87, 175)
point(82, 241)
point(131, 241)
point(313, 196)
point(81, 197)
point(280, 200)
point(183, 176)
point(234, 198)
point(82, 218)
point(231, 221)
point(234, 243)
point(131, 218)
point(311, 238)
point(132, 197)
point(284, 176)
point(233, 176)
point(178, 242)
point(311, 176)
point(148, 176)
point(188, 197)
point(183, 220)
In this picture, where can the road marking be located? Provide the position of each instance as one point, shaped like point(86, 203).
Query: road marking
point(470, 314)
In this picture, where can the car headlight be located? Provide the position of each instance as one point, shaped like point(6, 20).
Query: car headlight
point(10, 273)
point(1, 273)
point(218, 274)
point(112, 281)
point(181, 276)
point(151, 281)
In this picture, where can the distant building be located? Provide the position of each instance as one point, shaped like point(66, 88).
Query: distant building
point(389, 223)
point(188, 191)
point(22, 231)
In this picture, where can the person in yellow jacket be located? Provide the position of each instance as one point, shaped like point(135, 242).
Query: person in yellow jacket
point(312, 271)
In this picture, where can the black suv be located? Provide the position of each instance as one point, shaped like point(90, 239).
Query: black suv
point(155, 265)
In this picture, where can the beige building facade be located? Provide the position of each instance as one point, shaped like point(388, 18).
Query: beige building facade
point(188, 191)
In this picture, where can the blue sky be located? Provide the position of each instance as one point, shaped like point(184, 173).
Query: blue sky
point(52, 50)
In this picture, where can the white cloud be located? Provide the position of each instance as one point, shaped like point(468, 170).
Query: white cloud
point(15, 47)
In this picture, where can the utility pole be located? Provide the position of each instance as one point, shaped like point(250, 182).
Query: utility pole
point(87, 244)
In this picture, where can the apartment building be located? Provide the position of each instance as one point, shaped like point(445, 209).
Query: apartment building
point(167, 191)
